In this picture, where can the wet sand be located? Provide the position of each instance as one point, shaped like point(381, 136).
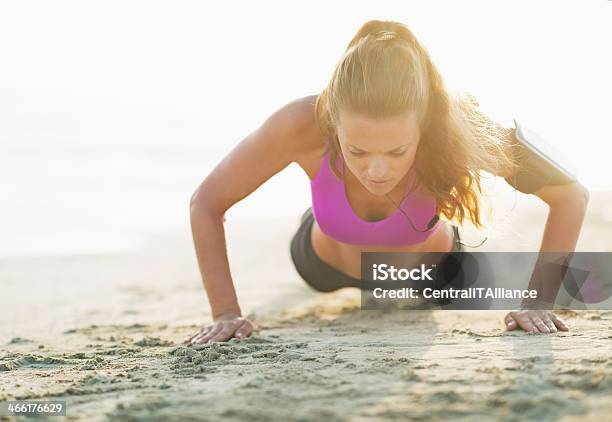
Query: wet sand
point(104, 332)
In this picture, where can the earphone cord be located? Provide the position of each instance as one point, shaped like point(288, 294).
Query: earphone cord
point(436, 218)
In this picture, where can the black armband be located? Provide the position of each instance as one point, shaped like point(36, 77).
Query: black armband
point(537, 167)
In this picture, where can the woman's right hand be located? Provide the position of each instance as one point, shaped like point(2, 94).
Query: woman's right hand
point(224, 328)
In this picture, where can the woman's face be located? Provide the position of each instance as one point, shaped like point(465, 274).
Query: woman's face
point(379, 152)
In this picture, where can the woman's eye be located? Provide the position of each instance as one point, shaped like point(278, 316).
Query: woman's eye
point(395, 154)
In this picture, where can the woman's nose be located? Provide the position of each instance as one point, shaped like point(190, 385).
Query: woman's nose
point(378, 169)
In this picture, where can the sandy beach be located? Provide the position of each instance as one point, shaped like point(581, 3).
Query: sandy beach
point(103, 333)
point(113, 114)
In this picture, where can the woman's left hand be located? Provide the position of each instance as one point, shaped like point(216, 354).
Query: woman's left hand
point(535, 321)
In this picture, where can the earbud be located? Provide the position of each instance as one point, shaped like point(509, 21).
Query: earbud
point(434, 220)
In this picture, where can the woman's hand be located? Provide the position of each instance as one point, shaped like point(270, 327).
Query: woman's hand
point(224, 328)
point(535, 321)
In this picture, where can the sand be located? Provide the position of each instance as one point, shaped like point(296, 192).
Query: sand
point(108, 342)
point(328, 360)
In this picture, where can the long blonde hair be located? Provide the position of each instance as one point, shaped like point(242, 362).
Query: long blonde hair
point(384, 72)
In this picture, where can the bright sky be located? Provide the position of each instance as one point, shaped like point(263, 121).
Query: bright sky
point(177, 76)
point(155, 71)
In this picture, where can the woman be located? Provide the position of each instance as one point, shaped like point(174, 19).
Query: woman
point(387, 150)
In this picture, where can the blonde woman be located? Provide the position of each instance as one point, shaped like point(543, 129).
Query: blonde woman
point(388, 151)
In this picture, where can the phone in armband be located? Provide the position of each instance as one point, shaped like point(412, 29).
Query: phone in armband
point(540, 164)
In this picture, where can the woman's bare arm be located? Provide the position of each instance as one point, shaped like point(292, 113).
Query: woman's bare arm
point(281, 140)
point(567, 208)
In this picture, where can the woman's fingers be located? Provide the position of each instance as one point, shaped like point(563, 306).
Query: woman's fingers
point(559, 322)
point(535, 321)
point(227, 332)
point(204, 337)
point(244, 331)
point(510, 322)
point(188, 339)
point(222, 331)
point(549, 324)
point(525, 322)
point(538, 322)
point(202, 333)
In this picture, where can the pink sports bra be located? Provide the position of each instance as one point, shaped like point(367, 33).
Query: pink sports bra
point(337, 219)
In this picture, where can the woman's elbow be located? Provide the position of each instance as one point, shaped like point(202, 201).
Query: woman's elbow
point(200, 204)
point(580, 195)
point(585, 195)
point(194, 200)
point(574, 194)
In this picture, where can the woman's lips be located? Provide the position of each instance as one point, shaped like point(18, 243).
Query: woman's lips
point(378, 182)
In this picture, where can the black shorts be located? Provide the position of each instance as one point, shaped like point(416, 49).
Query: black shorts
point(322, 276)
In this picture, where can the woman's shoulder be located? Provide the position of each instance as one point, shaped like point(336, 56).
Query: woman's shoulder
point(298, 120)
point(301, 115)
